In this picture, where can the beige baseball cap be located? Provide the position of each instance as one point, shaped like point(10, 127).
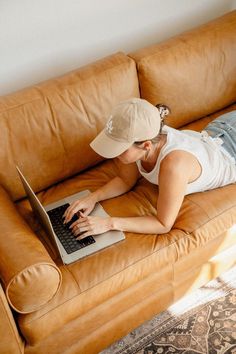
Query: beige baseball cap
point(130, 121)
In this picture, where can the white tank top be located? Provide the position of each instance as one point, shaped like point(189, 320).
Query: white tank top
point(218, 167)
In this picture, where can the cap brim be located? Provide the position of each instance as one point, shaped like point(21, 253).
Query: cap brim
point(108, 147)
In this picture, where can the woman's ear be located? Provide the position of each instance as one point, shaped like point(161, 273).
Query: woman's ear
point(146, 145)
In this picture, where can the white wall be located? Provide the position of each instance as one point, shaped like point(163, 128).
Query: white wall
point(40, 39)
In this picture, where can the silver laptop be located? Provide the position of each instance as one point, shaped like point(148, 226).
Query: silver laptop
point(61, 236)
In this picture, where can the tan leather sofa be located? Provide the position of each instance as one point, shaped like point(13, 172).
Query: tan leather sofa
point(47, 307)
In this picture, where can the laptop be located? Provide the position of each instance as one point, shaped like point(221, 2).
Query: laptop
point(50, 216)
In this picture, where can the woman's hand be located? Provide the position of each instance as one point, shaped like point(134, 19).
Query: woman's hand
point(90, 225)
point(84, 205)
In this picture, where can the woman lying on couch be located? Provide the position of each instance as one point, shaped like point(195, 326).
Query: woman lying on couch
point(179, 162)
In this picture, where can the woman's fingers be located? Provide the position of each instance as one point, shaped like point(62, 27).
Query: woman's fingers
point(86, 205)
point(68, 211)
point(81, 219)
point(86, 234)
point(76, 226)
point(83, 224)
point(91, 225)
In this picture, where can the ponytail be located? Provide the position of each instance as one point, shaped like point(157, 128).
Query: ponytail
point(164, 111)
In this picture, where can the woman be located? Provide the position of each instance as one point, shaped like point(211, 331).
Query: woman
point(179, 162)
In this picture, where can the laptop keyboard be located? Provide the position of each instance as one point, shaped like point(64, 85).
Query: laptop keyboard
point(65, 234)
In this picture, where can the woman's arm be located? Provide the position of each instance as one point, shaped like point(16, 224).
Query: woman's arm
point(173, 179)
point(175, 172)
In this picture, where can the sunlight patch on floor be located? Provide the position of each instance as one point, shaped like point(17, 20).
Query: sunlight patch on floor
point(202, 295)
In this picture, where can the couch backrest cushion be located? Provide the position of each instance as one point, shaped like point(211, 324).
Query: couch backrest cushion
point(46, 129)
point(194, 73)
point(29, 275)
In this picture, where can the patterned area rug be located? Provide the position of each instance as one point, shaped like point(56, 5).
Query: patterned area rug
point(202, 323)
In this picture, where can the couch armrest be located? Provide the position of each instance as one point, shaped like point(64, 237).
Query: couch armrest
point(29, 275)
point(11, 341)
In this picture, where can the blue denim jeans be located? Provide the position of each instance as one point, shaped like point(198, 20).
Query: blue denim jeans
point(224, 127)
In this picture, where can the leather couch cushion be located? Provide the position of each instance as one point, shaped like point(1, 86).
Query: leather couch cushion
point(29, 275)
point(32, 288)
point(194, 73)
point(11, 342)
point(52, 124)
point(92, 282)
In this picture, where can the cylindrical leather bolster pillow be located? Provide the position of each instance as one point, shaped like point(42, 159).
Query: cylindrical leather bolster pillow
point(29, 275)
